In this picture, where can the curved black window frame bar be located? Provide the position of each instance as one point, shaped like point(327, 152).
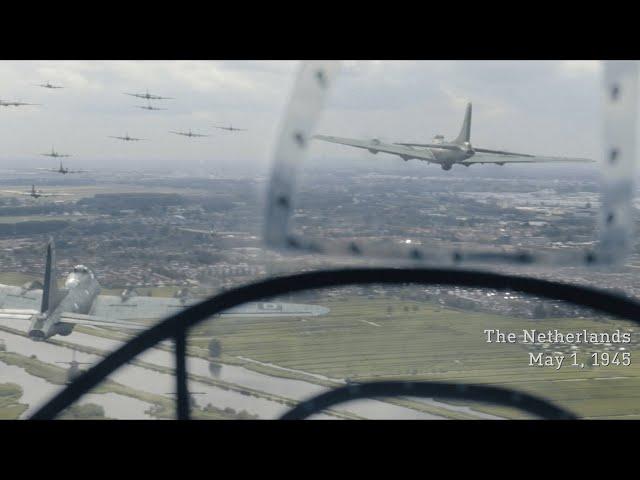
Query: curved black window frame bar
point(443, 390)
point(177, 326)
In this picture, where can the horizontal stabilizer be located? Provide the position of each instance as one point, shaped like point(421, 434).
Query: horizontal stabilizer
point(95, 321)
point(17, 313)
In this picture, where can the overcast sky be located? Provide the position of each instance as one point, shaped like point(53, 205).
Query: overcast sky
point(543, 107)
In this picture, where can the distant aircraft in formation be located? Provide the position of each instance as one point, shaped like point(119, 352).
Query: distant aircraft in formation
point(446, 154)
point(149, 107)
point(127, 138)
point(53, 311)
point(4, 103)
point(48, 85)
point(231, 128)
point(36, 193)
point(148, 96)
point(61, 170)
point(55, 154)
point(189, 134)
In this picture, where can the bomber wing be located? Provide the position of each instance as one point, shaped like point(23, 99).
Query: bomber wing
point(12, 298)
point(375, 146)
point(96, 321)
point(484, 155)
point(17, 313)
point(139, 308)
point(231, 129)
point(15, 192)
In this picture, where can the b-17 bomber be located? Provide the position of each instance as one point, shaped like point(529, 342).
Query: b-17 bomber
point(49, 85)
point(61, 169)
point(447, 153)
point(54, 154)
point(4, 103)
point(127, 138)
point(230, 128)
point(36, 193)
point(52, 311)
point(148, 96)
point(189, 134)
point(149, 107)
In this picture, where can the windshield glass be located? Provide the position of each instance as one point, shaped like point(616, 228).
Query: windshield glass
point(146, 190)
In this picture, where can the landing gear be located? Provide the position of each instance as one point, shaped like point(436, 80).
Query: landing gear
point(446, 166)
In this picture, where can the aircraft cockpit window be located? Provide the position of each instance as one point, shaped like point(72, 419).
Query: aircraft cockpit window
point(262, 278)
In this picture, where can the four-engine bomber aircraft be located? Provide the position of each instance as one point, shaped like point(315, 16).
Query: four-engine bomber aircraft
point(148, 96)
point(61, 169)
point(149, 107)
point(4, 103)
point(36, 193)
point(189, 134)
point(55, 154)
point(230, 128)
point(446, 154)
point(48, 85)
point(54, 311)
point(127, 138)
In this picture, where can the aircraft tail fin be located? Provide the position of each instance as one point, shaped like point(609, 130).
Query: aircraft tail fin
point(465, 131)
point(50, 293)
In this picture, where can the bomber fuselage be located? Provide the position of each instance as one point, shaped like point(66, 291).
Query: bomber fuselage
point(81, 290)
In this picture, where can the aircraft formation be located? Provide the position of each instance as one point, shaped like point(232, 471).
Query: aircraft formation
point(149, 97)
point(52, 311)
